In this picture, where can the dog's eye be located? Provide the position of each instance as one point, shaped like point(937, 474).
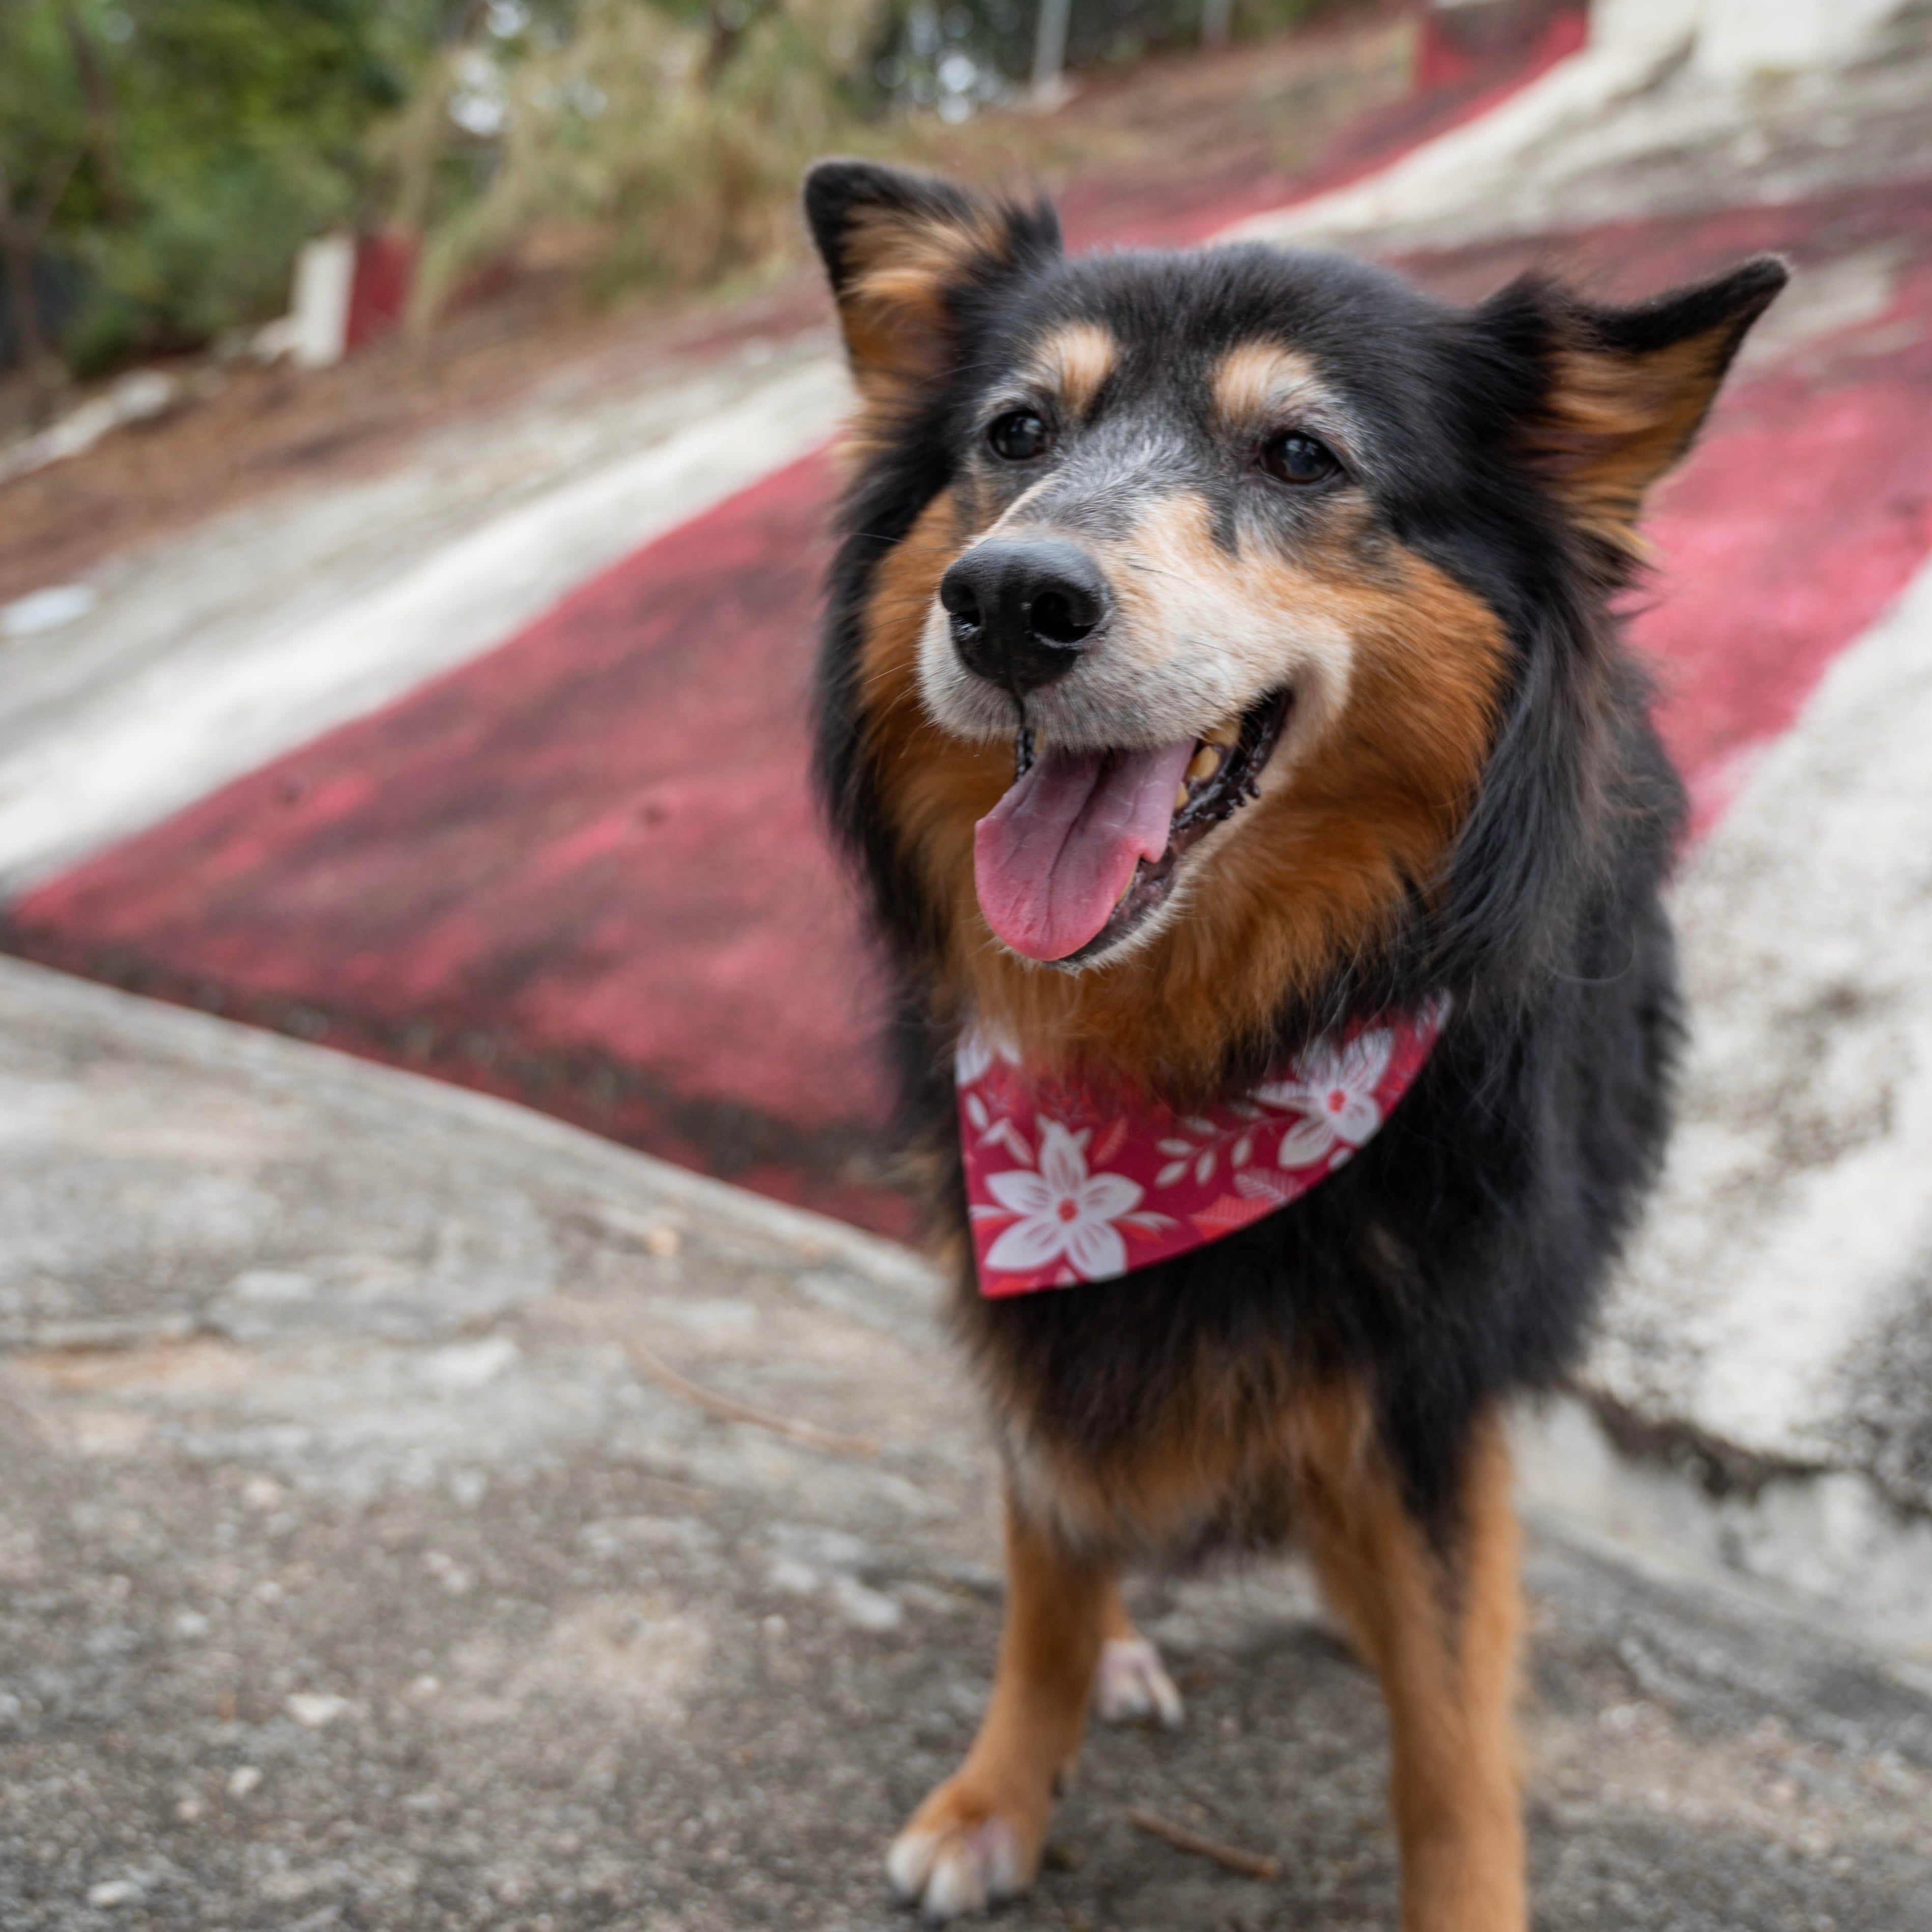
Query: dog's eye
point(1018, 436)
point(1296, 458)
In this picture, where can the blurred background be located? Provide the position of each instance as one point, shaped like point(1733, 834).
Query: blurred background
point(479, 1451)
point(167, 164)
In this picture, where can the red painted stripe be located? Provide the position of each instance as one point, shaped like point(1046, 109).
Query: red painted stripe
point(583, 869)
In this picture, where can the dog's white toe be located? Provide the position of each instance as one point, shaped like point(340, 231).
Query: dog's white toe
point(948, 1874)
point(909, 1863)
point(1132, 1685)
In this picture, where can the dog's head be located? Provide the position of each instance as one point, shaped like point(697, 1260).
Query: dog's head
point(1190, 597)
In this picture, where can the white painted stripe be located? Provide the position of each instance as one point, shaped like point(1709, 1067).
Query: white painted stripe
point(1448, 176)
point(170, 716)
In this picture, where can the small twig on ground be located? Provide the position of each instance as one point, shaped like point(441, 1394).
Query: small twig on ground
point(726, 1410)
point(1249, 1865)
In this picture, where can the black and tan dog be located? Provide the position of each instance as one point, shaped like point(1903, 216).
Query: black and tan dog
point(1219, 658)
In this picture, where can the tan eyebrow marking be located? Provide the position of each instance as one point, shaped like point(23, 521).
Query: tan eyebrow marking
point(1256, 380)
point(1075, 361)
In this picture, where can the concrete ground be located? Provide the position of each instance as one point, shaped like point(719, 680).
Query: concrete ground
point(360, 1573)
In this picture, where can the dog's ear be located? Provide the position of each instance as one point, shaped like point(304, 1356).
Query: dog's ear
point(905, 253)
point(1625, 390)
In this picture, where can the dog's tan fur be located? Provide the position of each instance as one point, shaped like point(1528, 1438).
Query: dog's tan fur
point(1615, 424)
point(893, 313)
point(1072, 364)
point(1256, 383)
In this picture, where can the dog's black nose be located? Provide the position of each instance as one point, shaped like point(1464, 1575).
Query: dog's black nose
point(1023, 610)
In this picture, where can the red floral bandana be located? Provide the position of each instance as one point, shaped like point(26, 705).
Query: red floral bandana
point(1068, 1184)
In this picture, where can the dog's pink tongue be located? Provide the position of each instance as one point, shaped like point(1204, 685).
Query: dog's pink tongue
point(1052, 857)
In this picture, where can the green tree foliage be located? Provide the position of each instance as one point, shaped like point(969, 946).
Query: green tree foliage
point(203, 141)
point(245, 124)
point(660, 142)
point(44, 140)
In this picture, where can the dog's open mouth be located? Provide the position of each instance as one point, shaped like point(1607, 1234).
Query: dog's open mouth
point(1085, 845)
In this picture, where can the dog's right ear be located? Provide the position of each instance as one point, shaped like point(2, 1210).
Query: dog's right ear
point(905, 253)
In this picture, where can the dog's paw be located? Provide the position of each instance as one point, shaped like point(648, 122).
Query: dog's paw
point(1132, 1685)
point(958, 1855)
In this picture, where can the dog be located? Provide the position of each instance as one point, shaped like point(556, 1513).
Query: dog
point(1221, 697)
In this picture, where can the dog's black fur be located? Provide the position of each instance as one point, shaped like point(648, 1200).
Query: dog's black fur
point(1338, 1366)
point(1457, 1257)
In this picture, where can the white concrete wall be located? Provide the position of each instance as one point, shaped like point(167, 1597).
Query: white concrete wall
point(1735, 39)
point(1634, 23)
point(1740, 38)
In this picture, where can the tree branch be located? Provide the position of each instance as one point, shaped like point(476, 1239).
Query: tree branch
point(48, 198)
point(98, 93)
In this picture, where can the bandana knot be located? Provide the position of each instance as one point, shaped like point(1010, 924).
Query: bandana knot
point(1068, 1182)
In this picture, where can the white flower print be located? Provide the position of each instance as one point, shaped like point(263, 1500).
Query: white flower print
point(975, 1053)
point(1065, 1211)
point(1081, 1208)
point(1199, 1157)
point(1334, 1093)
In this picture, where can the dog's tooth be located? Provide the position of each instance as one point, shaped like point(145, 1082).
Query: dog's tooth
point(1181, 798)
point(1222, 735)
point(1204, 764)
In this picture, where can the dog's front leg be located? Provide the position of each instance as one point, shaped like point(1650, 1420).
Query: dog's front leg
point(1435, 1611)
point(978, 1837)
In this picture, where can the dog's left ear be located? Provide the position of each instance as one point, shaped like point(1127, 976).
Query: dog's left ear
point(906, 254)
point(1626, 390)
